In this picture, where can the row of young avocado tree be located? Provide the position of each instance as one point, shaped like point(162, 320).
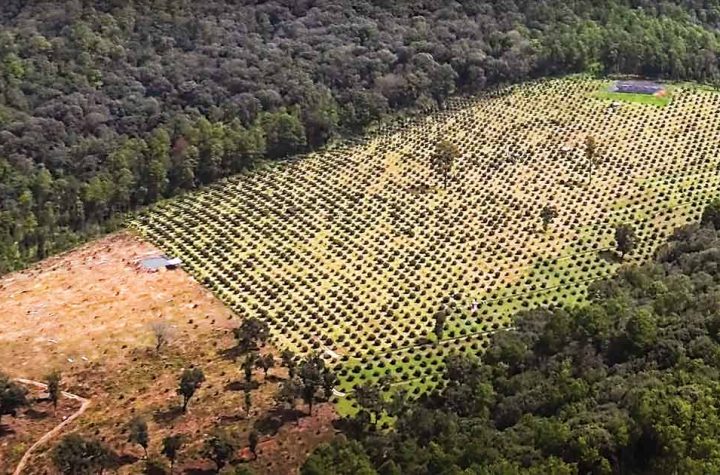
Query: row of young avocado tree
point(498, 203)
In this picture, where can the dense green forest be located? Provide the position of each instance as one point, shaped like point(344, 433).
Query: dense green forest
point(109, 105)
point(627, 384)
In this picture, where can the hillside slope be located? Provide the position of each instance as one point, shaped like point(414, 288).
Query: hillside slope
point(106, 106)
point(358, 250)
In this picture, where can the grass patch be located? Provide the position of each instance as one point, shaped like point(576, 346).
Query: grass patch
point(634, 98)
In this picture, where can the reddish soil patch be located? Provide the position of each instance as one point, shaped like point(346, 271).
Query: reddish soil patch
point(18, 433)
point(87, 313)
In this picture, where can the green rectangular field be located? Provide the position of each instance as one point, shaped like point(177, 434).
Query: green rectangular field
point(636, 98)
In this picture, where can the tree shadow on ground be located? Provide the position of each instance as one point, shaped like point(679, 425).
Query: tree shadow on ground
point(5, 430)
point(232, 353)
point(117, 461)
point(168, 415)
point(273, 420)
point(610, 257)
point(34, 414)
point(231, 419)
point(242, 386)
point(235, 352)
point(271, 378)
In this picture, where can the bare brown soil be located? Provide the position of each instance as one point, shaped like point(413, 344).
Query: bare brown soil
point(87, 313)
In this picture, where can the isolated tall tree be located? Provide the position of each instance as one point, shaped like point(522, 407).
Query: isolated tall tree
point(12, 396)
point(163, 332)
point(443, 159)
point(53, 388)
point(253, 440)
point(311, 377)
point(190, 381)
point(592, 156)
point(248, 365)
point(251, 333)
point(219, 448)
point(625, 239)
point(171, 446)
point(547, 215)
point(288, 361)
point(139, 433)
point(439, 328)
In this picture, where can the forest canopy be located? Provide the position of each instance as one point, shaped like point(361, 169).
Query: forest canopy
point(106, 106)
point(625, 384)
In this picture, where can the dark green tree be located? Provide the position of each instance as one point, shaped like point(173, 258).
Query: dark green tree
point(625, 239)
point(138, 429)
point(190, 381)
point(284, 133)
point(12, 396)
point(341, 457)
point(439, 327)
point(369, 396)
point(248, 365)
point(711, 214)
point(171, 446)
point(75, 455)
point(288, 361)
point(53, 387)
point(592, 157)
point(641, 330)
point(288, 392)
point(548, 215)
point(446, 153)
point(329, 381)
point(311, 372)
point(219, 448)
point(251, 333)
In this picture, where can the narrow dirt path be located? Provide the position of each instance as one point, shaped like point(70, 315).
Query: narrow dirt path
point(84, 403)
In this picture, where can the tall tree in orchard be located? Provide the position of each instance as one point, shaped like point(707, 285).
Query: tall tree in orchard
point(592, 156)
point(625, 239)
point(548, 215)
point(443, 159)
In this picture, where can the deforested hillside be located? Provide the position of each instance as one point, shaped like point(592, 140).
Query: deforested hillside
point(384, 261)
point(107, 106)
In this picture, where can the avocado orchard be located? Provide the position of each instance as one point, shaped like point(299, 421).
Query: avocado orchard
point(352, 250)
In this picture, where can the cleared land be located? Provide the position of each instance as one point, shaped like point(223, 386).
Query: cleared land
point(87, 313)
point(354, 249)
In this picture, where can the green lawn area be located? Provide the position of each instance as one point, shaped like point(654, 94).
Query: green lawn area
point(637, 98)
